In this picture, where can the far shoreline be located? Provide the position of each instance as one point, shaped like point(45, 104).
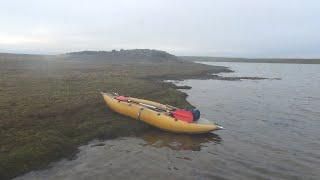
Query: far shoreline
point(251, 60)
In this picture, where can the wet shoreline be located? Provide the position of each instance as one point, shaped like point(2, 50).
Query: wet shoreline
point(260, 140)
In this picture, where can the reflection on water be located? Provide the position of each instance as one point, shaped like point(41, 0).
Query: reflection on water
point(152, 155)
point(159, 139)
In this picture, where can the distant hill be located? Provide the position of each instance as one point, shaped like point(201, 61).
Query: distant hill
point(249, 60)
point(132, 54)
point(11, 56)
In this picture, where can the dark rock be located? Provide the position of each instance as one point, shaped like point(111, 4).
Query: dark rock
point(98, 144)
point(183, 87)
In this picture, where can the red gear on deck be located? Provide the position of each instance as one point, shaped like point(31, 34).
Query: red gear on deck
point(183, 115)
point(122, 98)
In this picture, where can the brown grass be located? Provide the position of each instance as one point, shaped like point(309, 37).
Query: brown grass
point(49, 105)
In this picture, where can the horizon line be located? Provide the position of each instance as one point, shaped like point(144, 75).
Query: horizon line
point(203, 56)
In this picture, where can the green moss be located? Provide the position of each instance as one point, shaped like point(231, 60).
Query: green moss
point(50, 106)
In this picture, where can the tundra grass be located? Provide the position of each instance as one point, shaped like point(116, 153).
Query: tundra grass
point(51, 105)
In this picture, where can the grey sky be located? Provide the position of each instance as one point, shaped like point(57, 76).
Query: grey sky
point(244, 28)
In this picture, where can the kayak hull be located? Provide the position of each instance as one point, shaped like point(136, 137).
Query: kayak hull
point(157, 119)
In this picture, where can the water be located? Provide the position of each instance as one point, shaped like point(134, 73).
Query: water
point(272, 132)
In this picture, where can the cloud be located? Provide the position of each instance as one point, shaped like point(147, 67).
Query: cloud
point(246, 28)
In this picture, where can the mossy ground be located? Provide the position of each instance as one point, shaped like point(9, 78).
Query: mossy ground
point(51, 105)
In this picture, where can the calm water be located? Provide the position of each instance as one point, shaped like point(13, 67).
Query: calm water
point(272, 132)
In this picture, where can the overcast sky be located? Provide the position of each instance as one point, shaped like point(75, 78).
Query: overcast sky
point(243, 28)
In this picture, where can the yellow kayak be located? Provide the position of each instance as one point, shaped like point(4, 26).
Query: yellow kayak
point(148, 112)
